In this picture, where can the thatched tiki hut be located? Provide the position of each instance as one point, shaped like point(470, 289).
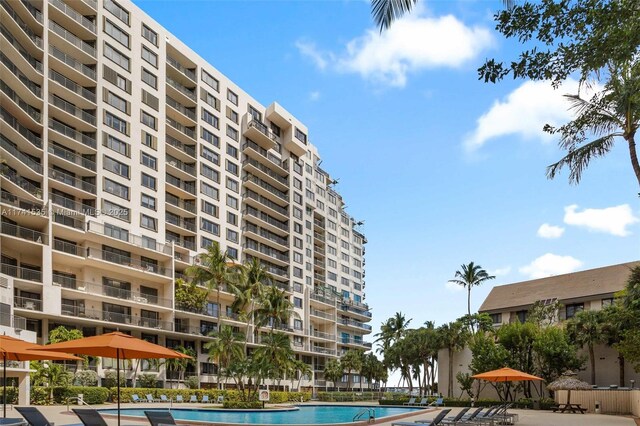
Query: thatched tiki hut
point(568, 381)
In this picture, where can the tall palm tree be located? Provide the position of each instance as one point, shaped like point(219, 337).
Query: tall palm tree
point(351, 361)
point(214, 269)
point(468, 276)
point(276, 353)
point(250, 288)
point(224, 349)
point(608, 115)
point(274, 309)
point(585, 329)
point(453, 337)
point(333, 371)
point(300, 368)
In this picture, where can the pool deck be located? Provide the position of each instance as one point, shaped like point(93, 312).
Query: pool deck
point(58, 414)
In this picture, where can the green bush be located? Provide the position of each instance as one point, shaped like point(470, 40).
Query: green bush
point(12, 394)
point(109, 380)
point(241, 405)
point(91, 395)
point(229, 395)
point(85, 378)
point(192, 382)
point(348, 396)
point(40, 395)
point(147, 380)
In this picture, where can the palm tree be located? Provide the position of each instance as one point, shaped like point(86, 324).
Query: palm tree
point(302, 369)
point(251, 287)
point(276, 353)
point(468, 276)
point(351, 361)
point(610, 114)
point(214, 269)
point(453, 337)
point(585, 329)
point(274, 309)
point(333, 371)
point(224, 349)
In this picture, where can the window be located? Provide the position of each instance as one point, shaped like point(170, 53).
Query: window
point(116, 123)
point(297, 198)
point(210, 155)
point(209, 172)
point(210, 99)
point(297, 324)
point(233, 168)
point(232, 252)
point(232, 133)
point(209, 208)
point(149, 181)
point(116, 56)
point(522, 316)
point(210, 118)
point(148, 222)
point(297, 272)
point(115, 144)
point(149, 78)
point(117, 102)
point(150, 35)
point(496, 318)
point(116, 189)
point(232, 151)
point(332, 263)
point(232, 202)
point(210, 81)
point(115, 166)
point(149, 57)
point(117, 10)
point(116, 79)
point(115, 210)
point(208, 190)
point(149, 161)
point(117, 33)
point(232, 218)
point(573, 309)
point(232, 97)
point(607, 302)
point(297, 287)
point(297, 228)
point(232, 235)
point(232, 115)
point(297, 242)
point(233, 185)
point(297, 183)
point(149, 140)
point(210, 137)
point(206, 242)
point(148, 120)
point(297, 257)
point(301, 136)
point(150, 100)
point(148, 202)
point(208, 226)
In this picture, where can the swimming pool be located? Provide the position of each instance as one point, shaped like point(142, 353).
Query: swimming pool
point(302, 415)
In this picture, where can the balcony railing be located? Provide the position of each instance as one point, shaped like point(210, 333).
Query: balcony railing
point(69, 248)
point(359, 311)
point(18, 180)
point(27, 303)
point(266, 202)
point(70, 221)
point(189, 112)
point(266, 234)
point(73, 110)
point(189, 206)
point(136, 240)
point(187, 168)
point(71, 204)
point(190, 74)
point(72, 133)
point(267, 187)
point(31, 111)
point(266, 250)
point(127, 261)
point(25, 159)
point(17, 322)
point(110, 291)
point(322, 335)
point(115, 317)
point(188, 131)
point(72, 157)
point(321, 350)
point(24, 233)
point(264, 169)
point(321, 314)
point(72, 181)
point(35, 63)
point(193, 310)
point(21, 272)
point(266, 154)
point(190, 93)
point(261, 127)
point(32, 86)
point(73, 39)
point(323, 299)
point(36, 13)
point(189, 186)
point(34, 138)
point(181, 242)
point(21, 203)
point(356, 324)
point(190, 150)
point(72, 62)
point(178, 221)
point(251, 211)
point(37, 40)
point(73, 14)
point(72, 85)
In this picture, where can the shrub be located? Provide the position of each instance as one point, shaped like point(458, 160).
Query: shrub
point(109, 380)
point(91, 395)
point(241, 405)
point(349, 396)
point(147, 380)
point(40, 395)
point(85, 378)
point(192, 382)
point(12, 394)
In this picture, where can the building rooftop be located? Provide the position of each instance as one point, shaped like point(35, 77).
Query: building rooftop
point(583, 284)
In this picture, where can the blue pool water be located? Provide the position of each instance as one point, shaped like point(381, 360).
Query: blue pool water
point(308, 414)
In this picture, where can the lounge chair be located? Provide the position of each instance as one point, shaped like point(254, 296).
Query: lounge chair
point(221, 399)
point(436, 421)
point(157, 418)
point(457, 418)
point(89, 417)
point(135, 398)
point(163, 398)
point(205, 399)
point(411, 401)
point(423, 401)
point(150, 398)
point(193, 398)
point(437, 403)
point(33, 416)
point(179, 398)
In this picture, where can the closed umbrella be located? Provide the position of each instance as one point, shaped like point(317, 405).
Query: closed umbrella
point(568, 381)
point(116, 345)
point(12, 349)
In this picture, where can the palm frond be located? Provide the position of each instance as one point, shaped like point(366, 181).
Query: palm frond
point(578, 159)
point(385, 12)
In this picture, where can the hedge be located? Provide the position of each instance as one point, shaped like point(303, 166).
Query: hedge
point(231, 395)
point(12, 394)
point(241, 405)
point(347, 396)
point(90, 395)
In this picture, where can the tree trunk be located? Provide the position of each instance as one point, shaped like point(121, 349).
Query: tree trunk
point(634, 157)
point(450, 390)
point(592, 360)
point(621, 369)
point(469, 303)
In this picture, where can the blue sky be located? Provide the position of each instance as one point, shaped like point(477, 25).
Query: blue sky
point(443, 168)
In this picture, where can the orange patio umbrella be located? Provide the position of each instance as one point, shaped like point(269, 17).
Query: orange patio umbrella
point(12, 349)
point(506, 375)
point(116, 345)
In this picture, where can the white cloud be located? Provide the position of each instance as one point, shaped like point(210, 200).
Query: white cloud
point(413, 43)
point(314, 96)
point(611, 220)
point(453, 287)
point(550, 231)
point(500, 271)
point(550, 264)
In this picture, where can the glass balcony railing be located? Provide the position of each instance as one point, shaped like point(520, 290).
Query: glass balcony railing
point(190, 150)
point(36, 39)
point(34, 138)
point(25, 159)
point(72, 181)
point(72, 109)
point(73, 86)
point(32, 86)
point(35, 63)
point(189, 73)
point(72, 133)
point(73, 14)
point(72, 62)
point(21, 273)
point(28, 109)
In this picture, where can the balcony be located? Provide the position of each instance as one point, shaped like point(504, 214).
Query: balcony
point(263, 188)
point(259, 132)
point(265, 157)
point(189, 169)
point(72, 62)
point(87, 49)
point(322, 335)
point(188, 187)
point(21, 273)
point(71, 204)
point(186, 205)
point(271, 223)
point(189, 73)
point(72, 157)
point(135, 240)
point(318, 223)
point(32, 113)
point(322, 350)
point(20, 182)
point(15, 321)
point(277, 271)
point(27, 303)
point(356, 324)
point(183, 91)
point(25, 159)
point(69, 221)
point(81, 94)
point(273, 254)
point(72, 181)
point(189, 150)
point(73, 110)
point(32, 137)
point(355, 310)
point(191, 309)
point(28, 32)
point(63, 129)
point(190, 132)
point(27, 206)
point(250, 196)
point(110, 291)
point(23, 53)
point(322, 314)
point(187, 112)
point(24, 233)
point(175, 220)
point(115, 317)
point(88, 26)
point(127, 261)
point(266, 236)
point(36, 13)
point(33, 89)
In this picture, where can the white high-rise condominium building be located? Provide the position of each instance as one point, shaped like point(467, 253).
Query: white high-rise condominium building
point(124, 154)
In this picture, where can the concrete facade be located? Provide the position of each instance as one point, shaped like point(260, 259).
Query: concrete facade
point(124, 155)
